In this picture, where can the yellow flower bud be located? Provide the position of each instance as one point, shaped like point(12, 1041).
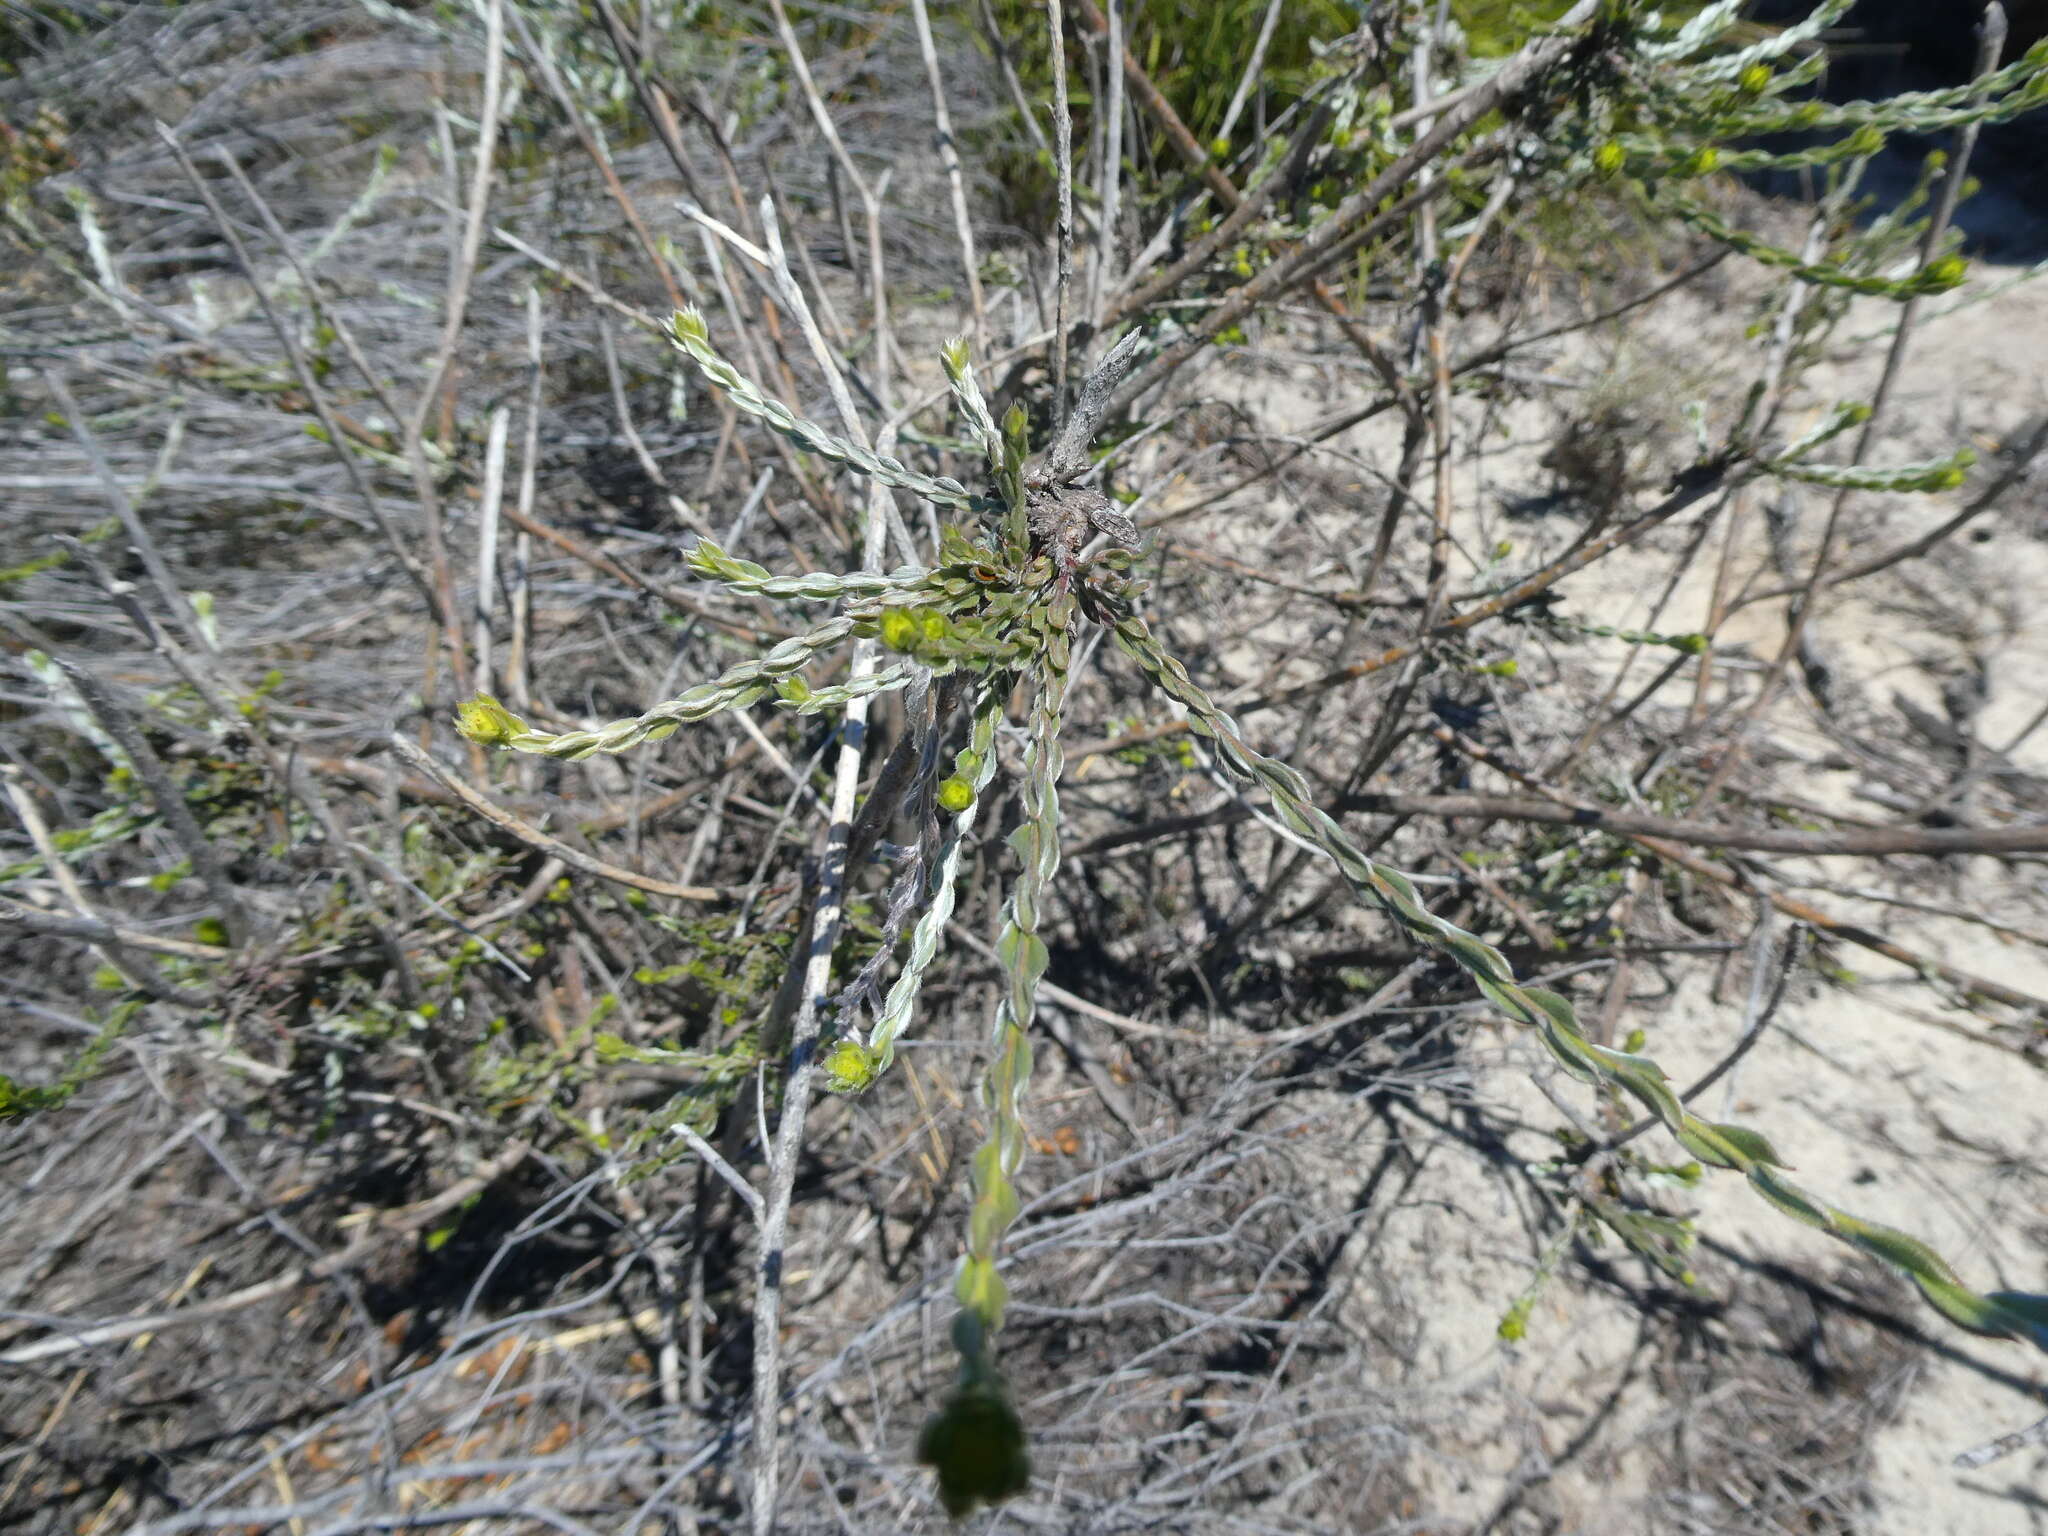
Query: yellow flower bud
point(487, 722)
point(955, 795)
point(899, 629)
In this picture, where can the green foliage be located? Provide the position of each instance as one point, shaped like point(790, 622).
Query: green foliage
point(1494, 28)
point(25, 31)
point(1195, 51)
point(99, 533)
point(712, 997)
point(115, 825)
point(18, 1101)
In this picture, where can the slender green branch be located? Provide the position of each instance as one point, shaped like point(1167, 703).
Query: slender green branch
point(689, 334)
point(975, 1442)
point(2006, 1314)
point(709, 561)
point(483, 719)
point(853, 1064)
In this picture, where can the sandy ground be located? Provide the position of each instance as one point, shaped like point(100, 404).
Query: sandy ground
point(1878, 1108)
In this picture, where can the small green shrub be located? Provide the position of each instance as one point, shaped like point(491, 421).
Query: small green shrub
point(1004, 608)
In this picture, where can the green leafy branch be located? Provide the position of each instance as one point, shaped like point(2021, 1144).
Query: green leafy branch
point(1939, 276)
point(744, 576)
point(689, 333)
point(2008, 1314)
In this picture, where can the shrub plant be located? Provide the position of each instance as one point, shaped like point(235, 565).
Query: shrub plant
point(1395, 157)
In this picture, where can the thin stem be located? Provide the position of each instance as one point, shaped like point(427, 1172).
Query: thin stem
point(175, 602)
point(1110, 172)
point(1250, 78)
point(2019, 464)
point(1433, 284)
point(949, 157)
point(1857, 842)
point(487, 540)
point(539, 63)
point(534, 837)
point(878, 297)
point(801, 1080)
point(518, 659)
point(104, 936)
point(1323, 242)
point(461, 278)
point(170, 801)
point(330, 425)
point(1063, 168)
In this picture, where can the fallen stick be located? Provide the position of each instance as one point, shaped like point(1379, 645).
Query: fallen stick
point(533, 837)
point(1860, 842)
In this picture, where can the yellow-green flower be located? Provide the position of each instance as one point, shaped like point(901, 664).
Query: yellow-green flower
point(1950, 477)
point(955, 795)
point(850, 1066)
point(1946, 273)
